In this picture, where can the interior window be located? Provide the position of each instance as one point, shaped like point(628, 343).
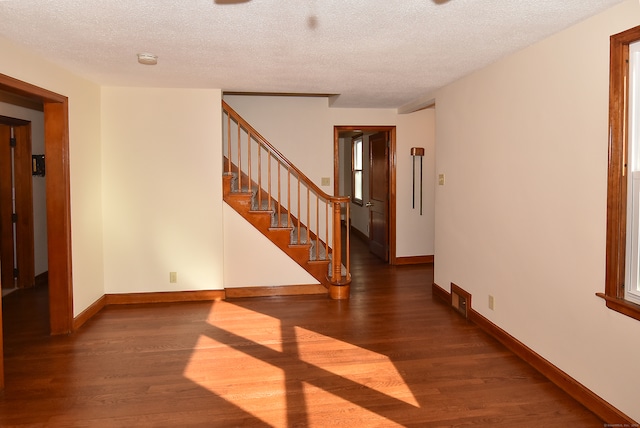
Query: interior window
point(622, 282)
point(356, 167)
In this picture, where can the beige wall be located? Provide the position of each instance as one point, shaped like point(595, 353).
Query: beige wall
point(162, 166)
point(302, 129)
point(85, 163)
point(250, 259)
point(523, 144)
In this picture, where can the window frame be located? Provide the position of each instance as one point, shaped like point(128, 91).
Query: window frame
point(354, 139)
point(614, 294)
point(632, 273)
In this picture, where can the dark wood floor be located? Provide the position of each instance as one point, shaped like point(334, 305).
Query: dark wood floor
point(390, 356)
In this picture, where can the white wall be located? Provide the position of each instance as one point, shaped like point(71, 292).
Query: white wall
point(302, 129)
point(522, 216)
point(416, 232)
point(39, 192)
point(162, 188)
point(85, 164)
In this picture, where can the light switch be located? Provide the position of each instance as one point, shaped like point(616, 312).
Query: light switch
point(326, 181)
point(441, 179)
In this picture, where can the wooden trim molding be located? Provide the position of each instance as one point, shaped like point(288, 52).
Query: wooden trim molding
point(89, 313)
point(285, 290)
point(142, 298)
point(26, 90)
point(21, 101)
point(414, 260)
point(623, 306)
point(440, 293)
point(575, 389)
point(192, 296)
point(164, 297)
point(56, 139)
point(359, 234)
point(393, 165)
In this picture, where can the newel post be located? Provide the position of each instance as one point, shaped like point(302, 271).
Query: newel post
point(339, 288)
point(336, 271)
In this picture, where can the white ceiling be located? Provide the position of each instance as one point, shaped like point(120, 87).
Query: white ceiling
point(373, 53)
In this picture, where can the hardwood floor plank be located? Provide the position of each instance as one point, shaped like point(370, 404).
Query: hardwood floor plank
point(392, 355)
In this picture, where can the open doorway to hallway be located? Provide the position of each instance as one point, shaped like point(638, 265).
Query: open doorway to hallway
point(364, 156)
point(23, 219)
point(56, 141)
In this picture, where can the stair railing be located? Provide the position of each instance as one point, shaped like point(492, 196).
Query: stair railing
point(297, 202)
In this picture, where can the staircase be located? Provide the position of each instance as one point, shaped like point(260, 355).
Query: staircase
point(285, 205)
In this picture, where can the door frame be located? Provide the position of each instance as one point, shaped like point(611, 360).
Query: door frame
point(56, 141)
point(392, 160)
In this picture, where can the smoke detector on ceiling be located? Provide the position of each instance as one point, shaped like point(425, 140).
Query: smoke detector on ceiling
point(147, 59)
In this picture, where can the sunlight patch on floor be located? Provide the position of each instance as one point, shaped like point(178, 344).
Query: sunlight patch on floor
point(238, 359)
point(371, 369)
point(240, 379)
point(327, 407)
point(251, 325)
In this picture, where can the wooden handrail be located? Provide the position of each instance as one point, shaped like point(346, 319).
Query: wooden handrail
point(257, 144)
point(263, 141)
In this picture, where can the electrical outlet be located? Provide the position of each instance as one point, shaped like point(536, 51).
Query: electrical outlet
point(491, 302)
point(173, 277)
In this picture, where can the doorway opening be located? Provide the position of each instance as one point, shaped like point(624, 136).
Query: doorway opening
point(17, 257)
point(375, 219)
point(58, 211)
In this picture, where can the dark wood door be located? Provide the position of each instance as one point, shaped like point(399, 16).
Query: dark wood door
point(6, 209)
point(379, 195)
point(16, 204)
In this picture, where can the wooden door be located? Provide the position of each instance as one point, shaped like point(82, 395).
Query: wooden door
point(379, 195)
point(6, 210)
point(16, 204)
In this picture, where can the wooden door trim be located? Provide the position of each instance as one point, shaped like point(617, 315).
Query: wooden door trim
point(6, 223)
point(377, 141)
point(24, 206)
point(56, 140)
point(392, 175)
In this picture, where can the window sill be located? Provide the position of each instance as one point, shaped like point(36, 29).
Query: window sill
point(357, 202)
point(623, 306)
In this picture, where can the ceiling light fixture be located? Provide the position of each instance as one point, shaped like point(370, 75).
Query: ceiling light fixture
point(147, 59)
point(230, 1)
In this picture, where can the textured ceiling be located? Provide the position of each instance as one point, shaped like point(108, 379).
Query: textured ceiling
point(372, 53)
